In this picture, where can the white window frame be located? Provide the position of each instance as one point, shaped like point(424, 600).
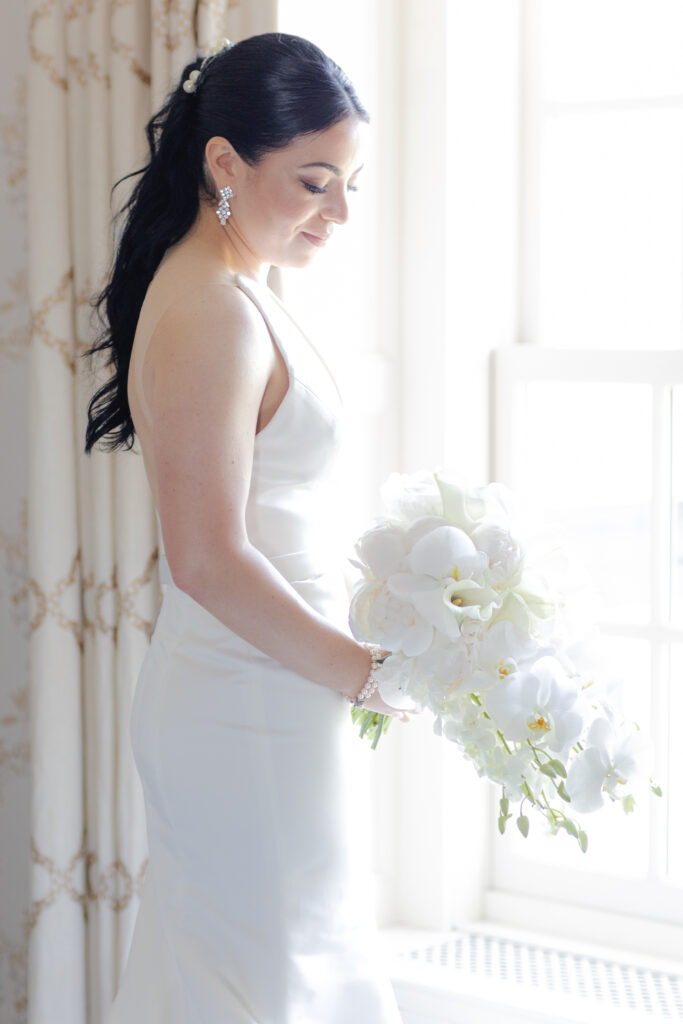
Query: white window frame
point(640, 914)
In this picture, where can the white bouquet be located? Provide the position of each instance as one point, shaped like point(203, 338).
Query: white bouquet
point(478, 637)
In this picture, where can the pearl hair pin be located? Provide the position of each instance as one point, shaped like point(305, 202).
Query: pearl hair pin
point(190, 83)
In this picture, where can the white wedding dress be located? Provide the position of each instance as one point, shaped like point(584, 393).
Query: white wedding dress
point(255, 900)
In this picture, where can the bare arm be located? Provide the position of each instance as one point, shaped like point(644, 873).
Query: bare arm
point(211, 363)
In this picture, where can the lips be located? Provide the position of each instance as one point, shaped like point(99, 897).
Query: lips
point(315, 239)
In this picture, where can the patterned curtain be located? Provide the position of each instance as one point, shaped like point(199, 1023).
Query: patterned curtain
point(97, 70)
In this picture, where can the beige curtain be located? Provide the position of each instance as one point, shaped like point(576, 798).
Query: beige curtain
point(97, 70)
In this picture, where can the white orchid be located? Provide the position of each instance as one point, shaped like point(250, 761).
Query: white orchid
point(501, 652)
point(471, 731)
point(395, 682)
point(611, 763)
point(516, 772)
point(539, 703)
point(450, 664)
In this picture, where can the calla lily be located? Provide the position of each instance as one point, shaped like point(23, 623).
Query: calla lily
point(446, 552)
point(463, 508)
point(444, 603)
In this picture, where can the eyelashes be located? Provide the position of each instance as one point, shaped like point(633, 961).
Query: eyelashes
point(318, 191)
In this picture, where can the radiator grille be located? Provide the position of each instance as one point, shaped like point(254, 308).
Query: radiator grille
point(652, 994)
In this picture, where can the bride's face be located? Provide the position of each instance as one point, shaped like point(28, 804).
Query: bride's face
point(287, 207)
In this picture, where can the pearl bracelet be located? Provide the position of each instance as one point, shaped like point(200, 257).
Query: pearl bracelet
point(370, 685)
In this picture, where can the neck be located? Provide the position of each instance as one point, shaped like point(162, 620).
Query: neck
point(228, 244)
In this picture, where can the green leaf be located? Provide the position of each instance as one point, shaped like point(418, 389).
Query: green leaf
point(583, 841)
point(523, 825)
point(657, 790)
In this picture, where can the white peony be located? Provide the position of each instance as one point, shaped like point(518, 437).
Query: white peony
point(376, 615)
point(503, 552)
point(382, 550)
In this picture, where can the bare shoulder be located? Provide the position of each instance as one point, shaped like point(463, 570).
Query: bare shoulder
point(215, 318)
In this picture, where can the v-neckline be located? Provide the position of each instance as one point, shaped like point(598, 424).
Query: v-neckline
point(284, 309)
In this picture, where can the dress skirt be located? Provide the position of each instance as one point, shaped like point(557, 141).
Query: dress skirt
point(256, 900)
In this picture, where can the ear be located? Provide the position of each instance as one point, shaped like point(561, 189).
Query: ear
point(222, 160)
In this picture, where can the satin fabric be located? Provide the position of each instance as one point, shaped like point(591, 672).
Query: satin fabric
point(255, 906)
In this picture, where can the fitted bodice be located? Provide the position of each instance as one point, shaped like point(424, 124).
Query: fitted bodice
point(292, 505)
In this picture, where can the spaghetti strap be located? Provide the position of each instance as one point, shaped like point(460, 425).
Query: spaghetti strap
point(251, 287)
point(245, 285)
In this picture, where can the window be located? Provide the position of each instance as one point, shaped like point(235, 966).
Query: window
point(588, 414)
point(522, 226)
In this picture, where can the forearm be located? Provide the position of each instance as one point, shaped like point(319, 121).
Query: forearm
point(243, 590)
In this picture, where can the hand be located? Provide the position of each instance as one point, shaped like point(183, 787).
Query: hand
point(375, 703)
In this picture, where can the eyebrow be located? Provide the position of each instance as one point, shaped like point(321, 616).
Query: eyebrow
point(329, 167)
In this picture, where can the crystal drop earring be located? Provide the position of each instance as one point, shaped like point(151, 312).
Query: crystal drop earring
point(223, 211)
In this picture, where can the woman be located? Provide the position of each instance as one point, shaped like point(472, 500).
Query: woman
point(253, 905)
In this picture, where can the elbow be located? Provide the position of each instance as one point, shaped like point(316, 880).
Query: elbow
point(197, 574)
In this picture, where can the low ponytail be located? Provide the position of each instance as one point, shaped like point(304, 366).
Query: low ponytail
point(161, 209)
point(260, 94)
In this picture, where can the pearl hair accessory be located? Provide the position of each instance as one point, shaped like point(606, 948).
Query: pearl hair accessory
point(370, 685)
point(190, 83)
point(223, 211)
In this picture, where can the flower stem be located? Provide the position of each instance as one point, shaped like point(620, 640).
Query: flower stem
point(504, 741)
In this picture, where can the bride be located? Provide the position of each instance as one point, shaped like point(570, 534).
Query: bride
point(252, 910)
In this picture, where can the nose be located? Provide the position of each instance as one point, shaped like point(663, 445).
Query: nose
point(336, 207)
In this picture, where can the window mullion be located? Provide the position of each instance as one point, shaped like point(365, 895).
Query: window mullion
point(660, 582)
